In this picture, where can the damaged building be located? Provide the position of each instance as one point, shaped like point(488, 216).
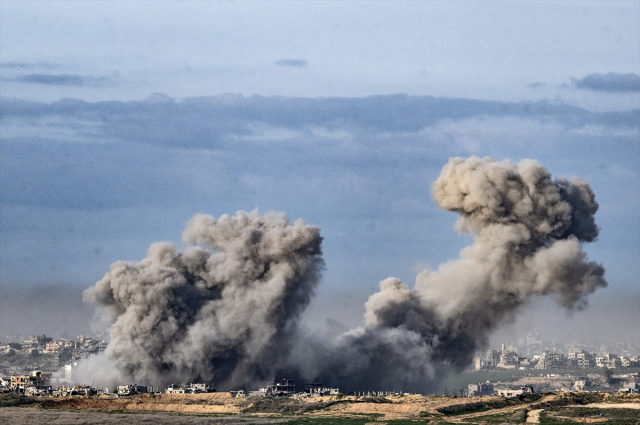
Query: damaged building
point(317, 390)
point(481, 389)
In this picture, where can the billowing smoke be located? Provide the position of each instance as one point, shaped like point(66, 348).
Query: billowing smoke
point(224, 315)
point(230, 314)
point(527, 231)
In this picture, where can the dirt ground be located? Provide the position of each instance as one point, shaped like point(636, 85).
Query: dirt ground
point(210, 403)
point(223, 403)
point(222, 408)
point(30, 416)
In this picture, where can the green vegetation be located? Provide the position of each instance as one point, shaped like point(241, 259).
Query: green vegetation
point(594, 412)
point(290, 406)
point(14, 400)
point(519, 416)
point(490, 419)
point(571, 415)
point(570, 399)
point(479, 406)
point(354, 421)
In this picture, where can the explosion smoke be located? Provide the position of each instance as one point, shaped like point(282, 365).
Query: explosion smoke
point(231, 315)
point(527, 230)
point(198, 315)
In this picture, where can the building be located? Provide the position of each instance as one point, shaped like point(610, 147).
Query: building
point(630, 387)
point(125, 390)
point(608, 360)
point(549, 360)
point(628, 362)
point(175, 389)
point(480, 390)
point(581, 359)
point(509, 359)
point(527, 389)
point(198, 388)
point(284, 387)
point(36, 378)
point(317, 390)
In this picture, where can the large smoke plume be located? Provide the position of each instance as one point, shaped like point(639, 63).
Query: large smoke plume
point(230, 315)
point(527, 231)
point(223, 315)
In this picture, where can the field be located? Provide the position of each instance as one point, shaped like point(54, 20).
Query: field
point(222, 408)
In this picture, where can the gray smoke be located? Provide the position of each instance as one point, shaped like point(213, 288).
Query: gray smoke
point(224, 315)
point(527, 231)
point(230, 314)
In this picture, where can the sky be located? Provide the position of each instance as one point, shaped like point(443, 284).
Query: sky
point(121, 120)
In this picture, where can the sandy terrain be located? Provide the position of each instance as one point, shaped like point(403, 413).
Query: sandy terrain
point(400, 407)
point(212, 403)
point(222, 408)
point(533, 417)
point(28, 416)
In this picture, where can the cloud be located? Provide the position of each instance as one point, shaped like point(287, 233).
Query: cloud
point(536, 85)
point(121, 174)
point(217, 120)
point(294, 63)
point(610, 82)
point(63, 80)
point(28, 65)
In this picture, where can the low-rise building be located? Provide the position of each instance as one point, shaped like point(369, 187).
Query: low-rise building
point(131, 389)
point(580, 359)
point(527, 389)
point(284, 387)
point(630, 387)
point(626, 361)
point(198, 388)
point(549, 360)
point(36, 378)
point(317, 390)
point(480, 390)
point(175, 389)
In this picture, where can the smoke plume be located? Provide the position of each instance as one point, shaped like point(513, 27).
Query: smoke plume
point(224, 315)
point(227, 308)
point(527, 231)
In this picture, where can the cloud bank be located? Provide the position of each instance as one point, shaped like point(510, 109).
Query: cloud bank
point(63, 80)
point(210, 122)
point(610, 82)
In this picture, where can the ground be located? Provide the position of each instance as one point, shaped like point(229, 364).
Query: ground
point(221, 408)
